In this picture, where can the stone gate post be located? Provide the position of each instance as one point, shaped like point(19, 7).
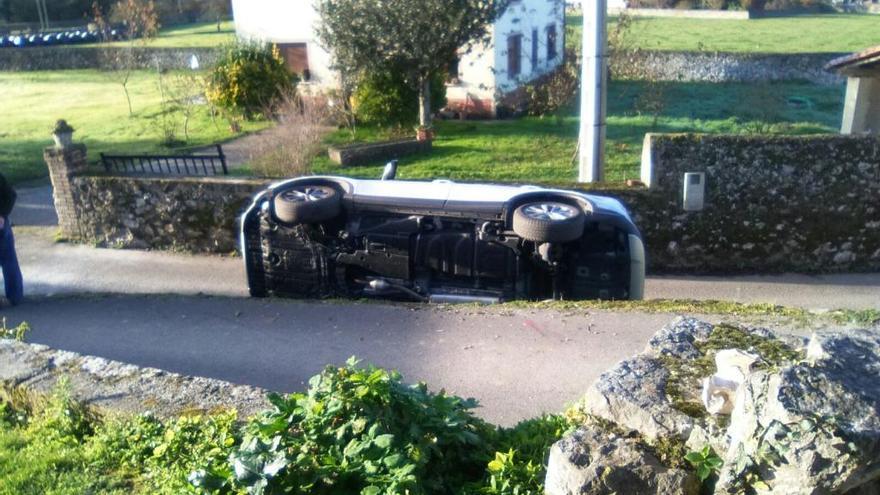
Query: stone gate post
point(64, 163)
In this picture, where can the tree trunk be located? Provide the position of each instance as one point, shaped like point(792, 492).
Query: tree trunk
point(127, 97)
point(425, 102)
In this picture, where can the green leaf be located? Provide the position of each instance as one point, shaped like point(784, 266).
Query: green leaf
point(703, 472)
point(760, 485)
point(393, 460)
point(384, 441)
point(694, 457)
point(371, 490)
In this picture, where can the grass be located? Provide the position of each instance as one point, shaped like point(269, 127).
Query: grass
point(199, 35)
point(793, 315)
point(520, 150)
point(541, 150)
point(819, 33)
point(94, 104)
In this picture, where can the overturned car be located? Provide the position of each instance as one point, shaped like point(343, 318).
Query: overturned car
point(439, 241)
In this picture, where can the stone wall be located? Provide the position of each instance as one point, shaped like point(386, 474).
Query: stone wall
point(639, 64)
point(102, 58)
point(120, 387)
point(718, 67)
point(361, 154)
point(773, 204)
point(190, 214)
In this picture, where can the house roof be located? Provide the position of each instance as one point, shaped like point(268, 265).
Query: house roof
point(865, 63)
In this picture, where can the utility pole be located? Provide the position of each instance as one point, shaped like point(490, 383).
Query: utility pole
point(593, 92)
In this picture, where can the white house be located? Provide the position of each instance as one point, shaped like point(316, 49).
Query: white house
point(527, 41)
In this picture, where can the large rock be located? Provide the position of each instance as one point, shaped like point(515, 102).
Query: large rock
point(633, 395)
point(596, 462)
point(812, 427)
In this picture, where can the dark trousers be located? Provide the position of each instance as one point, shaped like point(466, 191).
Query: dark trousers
point(9, 262)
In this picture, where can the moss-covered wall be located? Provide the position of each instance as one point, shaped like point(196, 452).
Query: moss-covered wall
point(189, 214)
point(773, 204)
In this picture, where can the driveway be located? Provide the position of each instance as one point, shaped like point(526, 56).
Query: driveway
point(188, 314)
point(518, 364)
point(51, 268)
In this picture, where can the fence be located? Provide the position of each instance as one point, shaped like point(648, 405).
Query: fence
point(186, 165)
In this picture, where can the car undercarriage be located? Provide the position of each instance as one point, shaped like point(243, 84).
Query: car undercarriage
point(541, 246)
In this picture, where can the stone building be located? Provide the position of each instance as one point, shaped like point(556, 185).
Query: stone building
point(861, 112)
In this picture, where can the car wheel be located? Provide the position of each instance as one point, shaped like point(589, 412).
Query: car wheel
point(548, 221)
point(307, 204)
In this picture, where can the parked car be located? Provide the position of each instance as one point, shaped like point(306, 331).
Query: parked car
point(439, 241)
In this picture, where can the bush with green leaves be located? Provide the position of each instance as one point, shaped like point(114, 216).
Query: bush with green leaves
point(555, 93)
point(386, 98)
point(248, 78)
point(360, 431)
point(520, 462)
point(169, 455)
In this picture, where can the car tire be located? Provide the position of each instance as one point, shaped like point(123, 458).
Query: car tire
point(307, 204)
point(549, 221)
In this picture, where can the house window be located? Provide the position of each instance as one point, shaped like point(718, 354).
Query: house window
point(296, 57)
point(452, 74)
point(514, 55)
point(551, 42)
point(534, 49)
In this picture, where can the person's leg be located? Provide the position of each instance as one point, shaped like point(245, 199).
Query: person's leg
point(9, 261)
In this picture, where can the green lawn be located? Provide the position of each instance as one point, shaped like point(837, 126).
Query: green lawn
point(94, 104)
point(798, 34)
point(199, 35)
point(540, 150)
point(527, 149)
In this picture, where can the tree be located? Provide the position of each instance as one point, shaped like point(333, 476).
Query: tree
point(372, 36)
point(141, 24)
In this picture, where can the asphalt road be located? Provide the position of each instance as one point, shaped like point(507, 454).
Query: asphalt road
point(52, 268)
point(518, 364)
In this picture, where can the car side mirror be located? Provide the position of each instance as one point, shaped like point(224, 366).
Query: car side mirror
point(390, 170)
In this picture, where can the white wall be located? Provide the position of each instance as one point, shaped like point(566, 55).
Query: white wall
point(284, 21)
point(476, 74)
point(522, 17)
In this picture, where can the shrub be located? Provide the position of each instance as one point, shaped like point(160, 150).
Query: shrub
point(386, 98)
point(755, 5)
point(248, 77)
point(287, 149)
point(520, 462)
point(715, 4)
point(360, 430)
point(555, 92)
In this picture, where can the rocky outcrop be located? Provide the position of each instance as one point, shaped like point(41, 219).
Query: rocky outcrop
point(805, 421)
point(592, 461)
point(633, 396)
point(812, 427)
point(123, 387)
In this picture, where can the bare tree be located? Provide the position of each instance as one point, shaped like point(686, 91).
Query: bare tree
point(141, 25)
